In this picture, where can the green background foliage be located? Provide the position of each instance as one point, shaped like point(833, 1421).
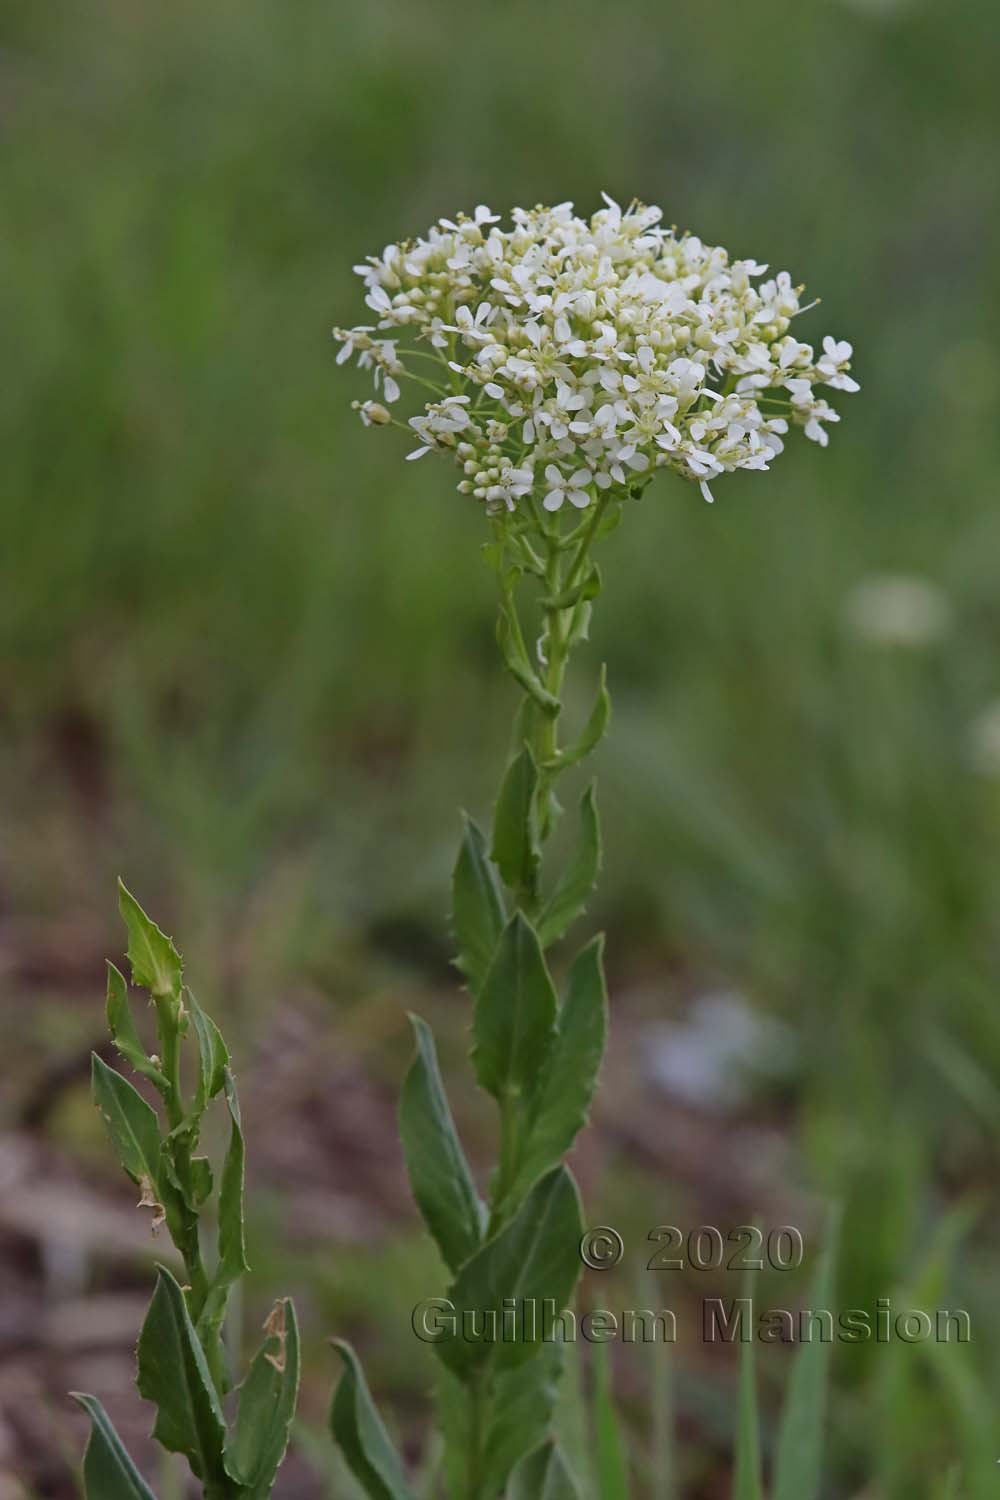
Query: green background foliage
point(247, 657)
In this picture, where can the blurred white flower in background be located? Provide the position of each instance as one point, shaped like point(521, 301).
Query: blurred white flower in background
point(715, 1058)
point(984, 741)
point(897, 609)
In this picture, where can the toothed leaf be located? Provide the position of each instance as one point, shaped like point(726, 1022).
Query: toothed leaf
point(156, 964)
point(515, 1013)
point(268, 1397)
point(439, 1173)
point(174, 1375)
point(478, 907)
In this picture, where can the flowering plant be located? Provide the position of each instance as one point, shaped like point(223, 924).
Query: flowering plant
point(566, 361)
point(182, 1364)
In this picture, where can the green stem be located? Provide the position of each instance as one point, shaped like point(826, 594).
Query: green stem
point(543, 737)
point(561, 565)
point(559, 627)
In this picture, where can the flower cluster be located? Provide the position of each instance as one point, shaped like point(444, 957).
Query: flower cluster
point(564, 356)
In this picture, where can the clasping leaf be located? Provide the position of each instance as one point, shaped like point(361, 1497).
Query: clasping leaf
point(173, 1374)
point(131, 1122)
point(559, 1110)
point(534, 1260)
point(515, 1015)
point(579, 878)
point(478, 910)
point(267, 1405)
point(439, 1173)
point(515, 831)
point(593, 731)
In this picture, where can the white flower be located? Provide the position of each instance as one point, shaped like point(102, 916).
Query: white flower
point(571, 489)
point(897, 609)
point(591, 352)
point(372, 413)
point(509, 486)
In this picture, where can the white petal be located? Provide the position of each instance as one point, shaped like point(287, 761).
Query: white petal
point(553, 500)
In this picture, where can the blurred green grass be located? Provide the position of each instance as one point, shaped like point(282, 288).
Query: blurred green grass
point(247, 657)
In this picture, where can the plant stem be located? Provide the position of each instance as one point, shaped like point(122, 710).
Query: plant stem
point(559, 628)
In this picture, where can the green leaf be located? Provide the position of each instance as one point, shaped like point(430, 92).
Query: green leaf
point(578, 879)
point(213, 1056)
point(798, 1469)
point(543, 1475)
point(515, 1415)
point(535, 1260)
point(130, 1122)
point(452, 1418)
point(478, 910)
point(232, 1263)
point(360, 1431)
point(135, 1132)
point(612, 1464)
point(202, 1180)
point(747, 1483)
point(268, 1397)
point(519, 1415)
point(156, 964)
point(108, 1471)
point(518, 664)
point(594, 730)
point(174, 1375)
point(439, 1173)
point(580, 624)
point(122, 1028)
point(514, 1021)
point(232, 1242)
point(562, 1102)
point(580, 592)
point(515, 835)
